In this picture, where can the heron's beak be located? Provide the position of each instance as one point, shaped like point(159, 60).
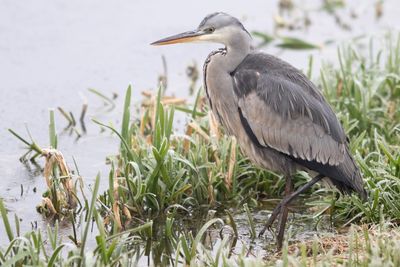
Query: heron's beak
point(184, 37)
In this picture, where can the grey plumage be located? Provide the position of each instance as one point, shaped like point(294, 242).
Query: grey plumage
point(286, 112)
point(279, 117)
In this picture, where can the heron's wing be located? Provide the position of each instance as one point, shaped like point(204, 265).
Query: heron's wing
point(286, 112)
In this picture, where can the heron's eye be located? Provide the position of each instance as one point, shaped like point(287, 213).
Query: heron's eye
point(209, 30)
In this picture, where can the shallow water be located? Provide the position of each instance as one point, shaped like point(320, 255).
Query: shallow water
point(52, 51)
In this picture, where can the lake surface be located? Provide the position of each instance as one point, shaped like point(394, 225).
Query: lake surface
point(51, 52)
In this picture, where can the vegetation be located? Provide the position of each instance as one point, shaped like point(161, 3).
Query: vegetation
point(163, 187)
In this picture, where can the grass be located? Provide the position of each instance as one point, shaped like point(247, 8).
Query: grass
point(365, 90)
point(172, 196)
point(362, 246)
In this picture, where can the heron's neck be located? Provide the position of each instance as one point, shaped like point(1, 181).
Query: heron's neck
point(236, 50)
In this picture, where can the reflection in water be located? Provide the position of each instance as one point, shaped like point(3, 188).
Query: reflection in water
point(158, 247)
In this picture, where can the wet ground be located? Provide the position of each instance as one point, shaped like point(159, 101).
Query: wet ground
point(51, 52)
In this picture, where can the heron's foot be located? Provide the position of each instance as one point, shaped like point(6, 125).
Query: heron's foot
point(272, 218)
point(262, 232)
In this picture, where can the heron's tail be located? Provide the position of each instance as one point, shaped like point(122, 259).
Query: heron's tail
point(348, 177)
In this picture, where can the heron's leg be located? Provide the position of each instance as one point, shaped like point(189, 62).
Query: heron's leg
point(284, 213)
point(287, 200)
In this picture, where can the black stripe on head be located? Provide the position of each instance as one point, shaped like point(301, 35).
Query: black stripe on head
point(203, 22)
point(231, 18)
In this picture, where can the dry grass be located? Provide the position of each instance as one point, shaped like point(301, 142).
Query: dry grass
point(362, 245)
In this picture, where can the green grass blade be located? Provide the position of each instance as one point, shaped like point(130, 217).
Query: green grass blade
point(6, 222)
point(52, 130)
point(54, 256)
point(126, 118)
point(89, 216)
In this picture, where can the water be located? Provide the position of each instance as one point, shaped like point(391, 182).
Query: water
point(52, 51)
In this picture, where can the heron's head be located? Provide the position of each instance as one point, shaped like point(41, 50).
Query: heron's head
point(217, 28)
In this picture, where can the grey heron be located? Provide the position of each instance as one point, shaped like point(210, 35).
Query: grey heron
point(279, 117)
